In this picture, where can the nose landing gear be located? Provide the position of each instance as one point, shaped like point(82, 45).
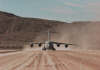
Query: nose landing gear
point(44, 48)
point(53, 49)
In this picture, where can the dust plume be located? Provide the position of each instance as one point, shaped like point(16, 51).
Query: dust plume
point(86, 35)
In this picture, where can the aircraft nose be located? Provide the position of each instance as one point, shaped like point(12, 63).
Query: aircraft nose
point(48, 45)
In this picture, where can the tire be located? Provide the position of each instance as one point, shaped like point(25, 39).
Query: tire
point(44, 48)
point(53, 49)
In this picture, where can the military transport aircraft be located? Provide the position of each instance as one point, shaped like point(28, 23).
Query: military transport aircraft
point(49, 44)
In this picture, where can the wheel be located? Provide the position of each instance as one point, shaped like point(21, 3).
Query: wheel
point(44, 48)
point(53, 49)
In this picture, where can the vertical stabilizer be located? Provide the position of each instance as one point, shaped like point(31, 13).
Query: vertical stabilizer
point(48, 35)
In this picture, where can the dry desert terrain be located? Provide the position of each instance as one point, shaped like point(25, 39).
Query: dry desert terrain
point(49, 60)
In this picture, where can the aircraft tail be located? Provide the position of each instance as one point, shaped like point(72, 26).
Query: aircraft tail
point(48, 36)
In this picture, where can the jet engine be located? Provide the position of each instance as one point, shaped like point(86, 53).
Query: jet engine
point(31, 45)
point(58, 45)
point(66, 46)
point(40, 45)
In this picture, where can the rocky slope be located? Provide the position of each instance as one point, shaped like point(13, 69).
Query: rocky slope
point(17, 30)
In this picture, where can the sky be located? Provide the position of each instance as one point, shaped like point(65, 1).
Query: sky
point(60, 10)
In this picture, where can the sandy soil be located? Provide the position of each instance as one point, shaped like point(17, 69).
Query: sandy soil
point(50, 60)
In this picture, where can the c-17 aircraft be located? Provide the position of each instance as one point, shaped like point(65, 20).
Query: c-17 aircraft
point(48, 45)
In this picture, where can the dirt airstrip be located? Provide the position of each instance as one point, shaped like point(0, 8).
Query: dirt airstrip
point(50, 60)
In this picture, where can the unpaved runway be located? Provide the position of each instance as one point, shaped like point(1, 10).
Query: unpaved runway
point(50, 60)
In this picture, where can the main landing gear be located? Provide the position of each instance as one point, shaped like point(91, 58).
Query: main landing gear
point(49, 49)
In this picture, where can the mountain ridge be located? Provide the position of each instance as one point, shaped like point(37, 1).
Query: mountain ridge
point(15, 30)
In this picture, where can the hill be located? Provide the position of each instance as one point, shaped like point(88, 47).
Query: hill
point(19, 30)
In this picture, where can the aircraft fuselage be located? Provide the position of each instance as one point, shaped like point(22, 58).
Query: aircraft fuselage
point(48, 45)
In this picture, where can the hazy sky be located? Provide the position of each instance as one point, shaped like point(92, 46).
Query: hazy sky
point(61, 10)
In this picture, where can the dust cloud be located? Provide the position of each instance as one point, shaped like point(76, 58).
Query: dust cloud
point(86, 35)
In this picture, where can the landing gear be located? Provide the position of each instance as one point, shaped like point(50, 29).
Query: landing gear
point(50, 48)
point(44, 48)
point(53, 49)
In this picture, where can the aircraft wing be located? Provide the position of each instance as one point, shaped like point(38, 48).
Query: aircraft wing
point(62, 43)
point(39, 44)
point(66, 45)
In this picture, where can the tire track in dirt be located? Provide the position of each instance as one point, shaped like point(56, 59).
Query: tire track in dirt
point(49, 60)
point(82, 61)
point(49, 64)
point(26, 65)
point(68, 61)
point(26, 58)
point(17, 59)
point(42, 62)
point(90, 60)
point(57, 63)
point(10, 58)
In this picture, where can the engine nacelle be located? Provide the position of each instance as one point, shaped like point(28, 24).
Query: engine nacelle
point(58, 45)
point(31, 45)
point(40, 45)
point(66, 45)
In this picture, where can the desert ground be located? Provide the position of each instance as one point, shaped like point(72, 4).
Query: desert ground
point(49, 60)
point(16, 31)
